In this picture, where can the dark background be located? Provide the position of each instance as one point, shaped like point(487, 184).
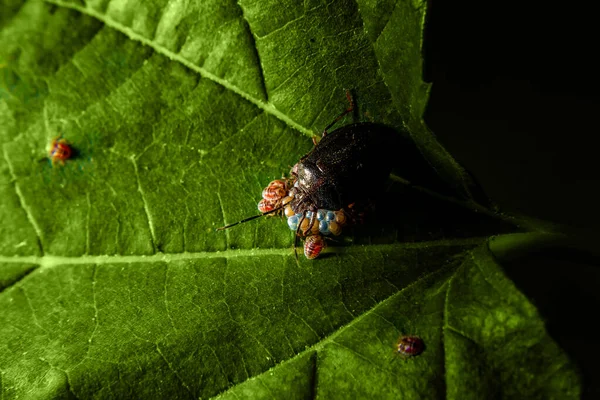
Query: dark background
point(515, 100)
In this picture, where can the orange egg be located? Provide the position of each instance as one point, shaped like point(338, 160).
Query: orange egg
point(287, 199)
point(340, 217)
point(304, 225)
point(335, 228)
point(288, 211)
point(315, 227)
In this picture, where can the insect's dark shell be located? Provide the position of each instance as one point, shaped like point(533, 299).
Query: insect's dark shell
point(346, 166)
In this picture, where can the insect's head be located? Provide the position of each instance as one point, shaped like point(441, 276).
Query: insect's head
point(294, 170)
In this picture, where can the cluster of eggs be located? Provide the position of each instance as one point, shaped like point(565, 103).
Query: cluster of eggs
point(313, 225)
point(327, 222)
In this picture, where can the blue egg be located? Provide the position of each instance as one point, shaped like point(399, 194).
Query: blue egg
point(309, 214)
point(321, 214)
point(324, 227)
point(293, 222)
point(330, 216)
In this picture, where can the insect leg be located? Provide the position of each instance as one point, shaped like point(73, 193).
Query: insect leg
point(296, 236)
point(300, 225)
point(348, 110)
point(311, 222)
point(295, 247)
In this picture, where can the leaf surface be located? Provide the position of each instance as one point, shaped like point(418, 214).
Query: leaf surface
point(113, 282)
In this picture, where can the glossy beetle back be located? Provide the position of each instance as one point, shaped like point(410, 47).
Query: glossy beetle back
point(347, 165)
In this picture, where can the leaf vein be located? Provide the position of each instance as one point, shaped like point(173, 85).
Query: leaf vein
point(459, 332)
point(258, 58)
point(87, 223)
point(50, 261)
point(266, 106)
point(281, 27)
point(166, 298)
point(95, 304)
point(331, 337)
point(22, 201)
point(145, 201)
point(173, 370)
point(33, 314)
point(445, 319)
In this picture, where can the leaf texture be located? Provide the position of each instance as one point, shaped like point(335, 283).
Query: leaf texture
point(113, 283)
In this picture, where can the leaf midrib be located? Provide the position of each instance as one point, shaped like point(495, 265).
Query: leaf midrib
point(50, 261)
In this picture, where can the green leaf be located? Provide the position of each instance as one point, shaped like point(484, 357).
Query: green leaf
point(114, 283)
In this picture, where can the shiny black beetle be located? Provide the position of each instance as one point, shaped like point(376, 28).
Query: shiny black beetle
point(345, 167)
point(344, 170)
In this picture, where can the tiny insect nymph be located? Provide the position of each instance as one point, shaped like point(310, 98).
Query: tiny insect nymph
point(343, 170)
point(410, 346)
point(59, 150)
point(313, 245)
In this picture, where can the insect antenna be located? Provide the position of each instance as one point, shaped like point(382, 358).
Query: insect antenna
point(252, 217)
point(347, 111)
